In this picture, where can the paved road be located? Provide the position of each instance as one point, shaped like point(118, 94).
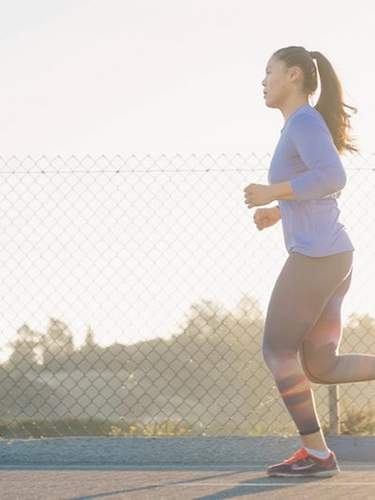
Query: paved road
point(356, 481)
point(176, 468)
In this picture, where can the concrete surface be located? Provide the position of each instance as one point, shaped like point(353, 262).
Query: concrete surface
point(176, 468)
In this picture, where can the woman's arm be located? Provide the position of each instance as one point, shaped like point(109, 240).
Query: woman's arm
point(315, 146)
point(282, 191)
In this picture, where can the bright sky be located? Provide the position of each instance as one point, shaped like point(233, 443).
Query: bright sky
point(123, 77)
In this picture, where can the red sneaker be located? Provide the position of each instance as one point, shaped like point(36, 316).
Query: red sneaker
point(302, 464)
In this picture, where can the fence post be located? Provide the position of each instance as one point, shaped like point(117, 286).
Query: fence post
point(334, 409)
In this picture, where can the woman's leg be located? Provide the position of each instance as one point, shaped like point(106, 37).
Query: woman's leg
point(301, 292)
point(319, 350)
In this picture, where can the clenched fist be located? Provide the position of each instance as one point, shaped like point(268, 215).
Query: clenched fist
point(258, 194)
point(265, 217)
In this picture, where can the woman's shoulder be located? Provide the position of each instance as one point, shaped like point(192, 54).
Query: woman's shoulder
point(307, 121)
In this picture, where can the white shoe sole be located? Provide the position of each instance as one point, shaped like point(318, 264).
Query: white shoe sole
point(323, 473)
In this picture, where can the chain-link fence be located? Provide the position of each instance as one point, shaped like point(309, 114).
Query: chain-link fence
point(134, 292)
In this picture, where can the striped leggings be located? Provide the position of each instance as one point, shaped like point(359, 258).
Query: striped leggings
point(303, 330)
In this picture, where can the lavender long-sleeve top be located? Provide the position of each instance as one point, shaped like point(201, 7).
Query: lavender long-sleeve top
point(306, 156)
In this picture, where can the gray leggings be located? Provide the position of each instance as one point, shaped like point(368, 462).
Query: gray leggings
point(304, 318)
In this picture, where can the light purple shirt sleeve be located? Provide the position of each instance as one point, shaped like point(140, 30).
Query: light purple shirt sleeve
point(315, 146)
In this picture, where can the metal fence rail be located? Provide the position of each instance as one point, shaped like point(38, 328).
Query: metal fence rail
point(118, 246)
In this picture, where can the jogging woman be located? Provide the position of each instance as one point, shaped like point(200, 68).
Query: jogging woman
point(304, 312)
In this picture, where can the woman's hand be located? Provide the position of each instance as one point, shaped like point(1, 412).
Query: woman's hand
point(258, 194)
point(266, 217)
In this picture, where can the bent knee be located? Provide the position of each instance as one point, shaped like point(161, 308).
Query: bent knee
point(316, 372)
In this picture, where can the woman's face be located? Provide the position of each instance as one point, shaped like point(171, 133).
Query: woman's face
point(278, 82)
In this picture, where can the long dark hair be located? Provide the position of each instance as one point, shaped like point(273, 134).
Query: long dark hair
point(330, 103)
